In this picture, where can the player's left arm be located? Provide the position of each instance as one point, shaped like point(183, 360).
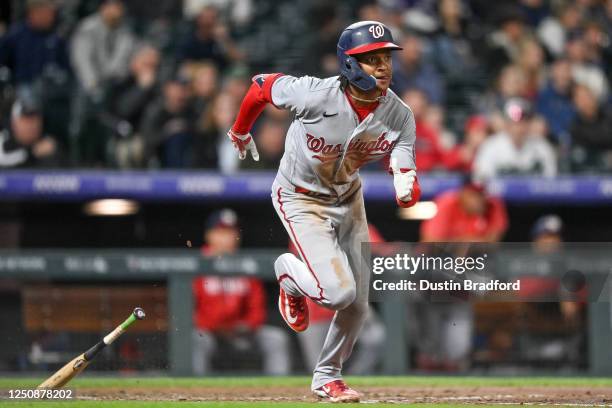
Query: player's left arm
point(253, 103)
point(403, 166)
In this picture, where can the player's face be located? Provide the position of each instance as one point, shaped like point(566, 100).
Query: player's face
point(378, 64)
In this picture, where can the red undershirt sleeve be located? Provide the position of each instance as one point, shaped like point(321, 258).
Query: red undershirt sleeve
point(254, 102)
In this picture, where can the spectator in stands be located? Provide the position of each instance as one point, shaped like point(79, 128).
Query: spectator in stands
point(212, 148)
point(233, 309)
point(591, 132)
point(534, 11)
point(23, 143)
point(210, 40)
point(411, 70)
point(554, 101)
point(584, 71)
point(239, 12)
point(451, 45)
point(511, 83)
point(204, 84)
point(531, 61)
point(126, 104)
point(515, 150)
point(167, 126)
point(554, 30)
point(32, 48)
point(130, 96)
point(504, 43)
point(101, 47)
point(430, 153)
point(270, 144)
point(476, 132)
point(605, 20)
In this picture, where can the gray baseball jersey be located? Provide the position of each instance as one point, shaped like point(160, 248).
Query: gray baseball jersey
point(326, 144)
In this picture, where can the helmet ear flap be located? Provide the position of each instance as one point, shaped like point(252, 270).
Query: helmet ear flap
point(357, 76)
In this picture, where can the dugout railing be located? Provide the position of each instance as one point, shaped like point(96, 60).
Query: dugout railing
point(179, 267)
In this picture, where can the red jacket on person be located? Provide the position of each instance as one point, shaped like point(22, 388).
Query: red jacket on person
point(222, 303)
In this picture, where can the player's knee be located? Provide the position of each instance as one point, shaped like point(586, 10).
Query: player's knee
point(342, 298)
point(281, 265)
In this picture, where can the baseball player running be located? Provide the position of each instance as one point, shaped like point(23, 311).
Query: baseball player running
point(340, 124)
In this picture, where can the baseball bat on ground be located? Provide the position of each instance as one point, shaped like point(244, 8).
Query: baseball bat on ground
point(78, 364)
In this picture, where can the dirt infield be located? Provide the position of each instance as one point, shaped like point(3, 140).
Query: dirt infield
point(576, 396)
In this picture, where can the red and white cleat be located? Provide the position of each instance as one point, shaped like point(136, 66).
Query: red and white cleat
point(337, 391)
point(294, 310)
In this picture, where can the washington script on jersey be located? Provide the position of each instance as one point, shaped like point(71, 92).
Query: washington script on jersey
point(446, 285)
point(332, 152)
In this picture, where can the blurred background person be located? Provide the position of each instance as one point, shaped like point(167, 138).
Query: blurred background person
point(36, 57)
point(468, 214)
point(233, 309)
point(411, 70)
point(210, 40)
point(552, 305)
point(591, 132)
point(516, 149)
point(212, 148)
point(126, 104)
point(167, 126)
point(554, 101)
point(443, 330)
point(23, 143)
point(270, 133)
point(32, 48)
point(100, 53)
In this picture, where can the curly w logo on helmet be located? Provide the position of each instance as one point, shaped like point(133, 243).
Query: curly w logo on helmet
point(377, 31)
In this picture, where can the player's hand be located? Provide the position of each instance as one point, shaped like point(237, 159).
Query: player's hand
point(242, 143)
point(407, 190)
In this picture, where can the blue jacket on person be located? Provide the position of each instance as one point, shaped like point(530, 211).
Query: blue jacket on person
point(557, 109)
point(28, 52)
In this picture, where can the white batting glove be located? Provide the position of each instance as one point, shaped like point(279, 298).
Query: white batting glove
point(403, 181)
point(242, 143)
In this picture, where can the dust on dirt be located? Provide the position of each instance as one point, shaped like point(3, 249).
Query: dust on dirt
point(579, 396)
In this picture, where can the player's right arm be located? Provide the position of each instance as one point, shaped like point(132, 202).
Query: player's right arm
point(403, 166)
point(283, 91)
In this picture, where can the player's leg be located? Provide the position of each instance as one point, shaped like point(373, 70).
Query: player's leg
point(370, 345)
point(311, 342)
point(274, 344)
point(204, 345)
point(352, 232)
point(323, 274)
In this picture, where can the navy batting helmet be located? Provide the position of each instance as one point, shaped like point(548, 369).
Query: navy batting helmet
point(359, 38)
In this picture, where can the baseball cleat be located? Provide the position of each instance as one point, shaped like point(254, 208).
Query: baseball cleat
point(337, 391)
point(294, 311)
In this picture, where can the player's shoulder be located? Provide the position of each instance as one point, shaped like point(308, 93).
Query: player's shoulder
point(308, 84)
point(399, 107)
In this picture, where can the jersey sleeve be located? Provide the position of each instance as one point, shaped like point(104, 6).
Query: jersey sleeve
point(403, 155)
point(289, 92)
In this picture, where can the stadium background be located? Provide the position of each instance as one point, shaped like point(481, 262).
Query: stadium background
point(467, 61)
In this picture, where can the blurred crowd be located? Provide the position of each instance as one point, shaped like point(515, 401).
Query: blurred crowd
point(504, 87)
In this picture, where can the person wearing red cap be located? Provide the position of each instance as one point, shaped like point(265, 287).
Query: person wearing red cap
point(233, 309)
point(466, 215)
